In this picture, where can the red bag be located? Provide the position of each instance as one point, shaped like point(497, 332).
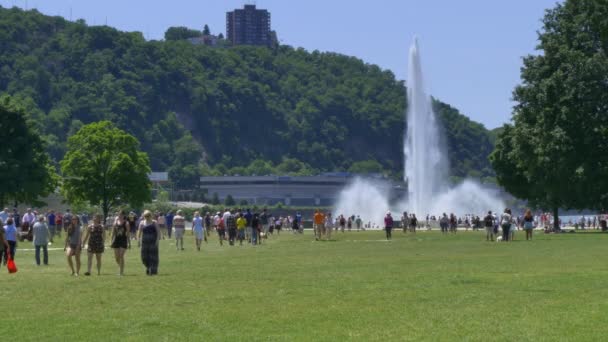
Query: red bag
point(12, 268)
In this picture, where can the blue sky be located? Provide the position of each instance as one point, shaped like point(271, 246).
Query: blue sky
point(471, 49)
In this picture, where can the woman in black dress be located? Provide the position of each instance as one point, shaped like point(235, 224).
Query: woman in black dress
point(148, 237)
point(95, 238)
point(121, 240)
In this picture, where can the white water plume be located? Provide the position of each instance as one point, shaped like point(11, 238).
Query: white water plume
point(425, 169)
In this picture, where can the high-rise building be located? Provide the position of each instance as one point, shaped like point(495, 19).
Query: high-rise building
point(249, 26)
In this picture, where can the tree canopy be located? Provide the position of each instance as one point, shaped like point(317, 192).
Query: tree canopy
point(555, 153)
point(300, 111)
point(26, 172)
point(104, 167)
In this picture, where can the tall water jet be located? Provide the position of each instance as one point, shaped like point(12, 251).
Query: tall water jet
point(425, 164)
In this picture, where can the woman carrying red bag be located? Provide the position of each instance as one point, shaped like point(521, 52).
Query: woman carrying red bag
point(3, 243)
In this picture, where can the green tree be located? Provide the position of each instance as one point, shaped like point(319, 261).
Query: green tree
point(103, 166)
point(326, 109)
point(181, 33)
point(366, 167)
point(229, 201)
point(206, 30)
point(556, 153)
point(215, 199)
point(26, 172)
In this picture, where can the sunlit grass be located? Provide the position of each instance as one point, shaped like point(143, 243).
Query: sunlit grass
point(423, 287)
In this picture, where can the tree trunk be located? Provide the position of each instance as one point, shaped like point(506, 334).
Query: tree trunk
point(106, 209)
point(556, 227)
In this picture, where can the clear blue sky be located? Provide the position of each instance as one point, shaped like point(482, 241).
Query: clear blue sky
point(471, 49)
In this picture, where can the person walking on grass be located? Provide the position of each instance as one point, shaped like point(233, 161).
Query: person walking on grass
point(388, 225)
point(121, 240)
point(255, 226)
point(10, 231)
point(528, 224)
point(413, 223)
point(52, 224)
point(132, 221)
point(342, 223)
point(208, 225)
point(3, 243)
point(488, 222)
point(198, 230)
point(169, 222)
point(231, 226)
point(329, 225)
point(359, 223)
point(264, 222)
point(221, 229)
point(94, 238)
point(179, 224)
point(73, 245)
point(148, 237)
point(162, 224)
point(41, 235)
point(241, 225)
point(319, 225)
point(505, 223)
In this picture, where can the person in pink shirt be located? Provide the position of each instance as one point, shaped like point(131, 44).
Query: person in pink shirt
point(388, 225)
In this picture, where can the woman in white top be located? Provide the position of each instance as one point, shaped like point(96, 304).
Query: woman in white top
point(506, 222)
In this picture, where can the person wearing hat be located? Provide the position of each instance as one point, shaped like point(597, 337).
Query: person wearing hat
point(388, 225)
point(41, 239)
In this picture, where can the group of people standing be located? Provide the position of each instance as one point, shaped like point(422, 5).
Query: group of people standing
point(78, 235)
point(506, 222)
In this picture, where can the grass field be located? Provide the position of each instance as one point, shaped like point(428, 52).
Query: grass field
point(358, 287)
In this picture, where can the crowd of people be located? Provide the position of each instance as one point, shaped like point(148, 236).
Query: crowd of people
point(232, 226)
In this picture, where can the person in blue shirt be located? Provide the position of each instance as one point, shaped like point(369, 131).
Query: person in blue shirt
point(298, 219)
point(198, 230)
point(169, 223)
point(51, 223)
point(11, 233)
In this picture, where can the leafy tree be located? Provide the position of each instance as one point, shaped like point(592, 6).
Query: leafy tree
point(206, 30)
point(215, 200)
point(556, 153)
point(26, 172)
point(181, 33)
point(220, 36)
point(319, 111)
point(103, 166)
point(229, 201)
point(366, 167)
point(243, 202)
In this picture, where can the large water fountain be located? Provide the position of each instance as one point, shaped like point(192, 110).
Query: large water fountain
point(425, 166)
point(425, 162)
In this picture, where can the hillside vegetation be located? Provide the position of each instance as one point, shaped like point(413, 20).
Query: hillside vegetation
point(199, 109)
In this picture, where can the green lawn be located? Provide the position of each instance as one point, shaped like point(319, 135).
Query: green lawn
point(359, 287)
